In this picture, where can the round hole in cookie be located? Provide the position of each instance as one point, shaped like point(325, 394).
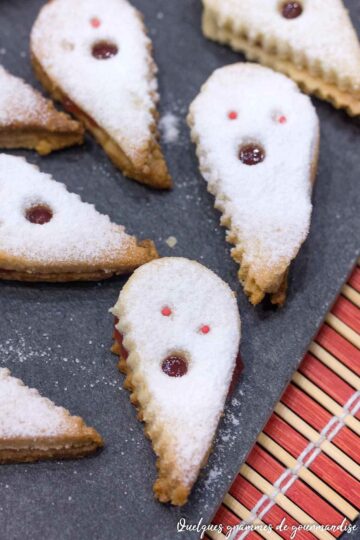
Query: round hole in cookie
point(175, 365)
point(103, 50)
point(232, 115)
point(251, 153)
point(291, 10)
point(39, 214)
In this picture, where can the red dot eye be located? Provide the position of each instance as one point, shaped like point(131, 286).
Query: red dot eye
point(95, 22)
point(166, 311)
point(282, 119)
point(232, 115)
point(205, 329)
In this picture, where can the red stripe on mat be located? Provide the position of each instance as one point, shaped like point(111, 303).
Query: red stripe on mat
point(322, 466)
point(226, 518)
point(287, 437)
point(317, 417)
point(347, 312)
point(339, 347)
point(354, 279)
point(326, 379)
point(299, 493)
point(245, 492)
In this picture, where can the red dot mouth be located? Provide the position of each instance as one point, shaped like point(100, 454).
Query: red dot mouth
point(251, 154)
point(104, 50)
point(175, 365)
point(39, 214)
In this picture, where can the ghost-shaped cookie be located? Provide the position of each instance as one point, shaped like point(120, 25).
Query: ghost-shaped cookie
point(33, 428)
point(257, 140)
point(178, 332)
point(96, 58)
point(311, 41)
point(50, 234)
point(28, 120)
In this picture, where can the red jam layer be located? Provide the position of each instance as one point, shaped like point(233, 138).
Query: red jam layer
point(72, 108)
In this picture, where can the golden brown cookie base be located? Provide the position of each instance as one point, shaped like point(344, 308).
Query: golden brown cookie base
point(148, 168)
point(166, 488)
point(17, 269)
point(309, 83)
point(83, 443)
point(41, 140)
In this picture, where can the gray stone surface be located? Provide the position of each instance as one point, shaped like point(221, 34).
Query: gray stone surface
point(57, 337)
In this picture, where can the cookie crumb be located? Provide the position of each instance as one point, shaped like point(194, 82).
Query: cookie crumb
point(171, 241)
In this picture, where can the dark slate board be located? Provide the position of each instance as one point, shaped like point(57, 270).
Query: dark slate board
point(57, 337)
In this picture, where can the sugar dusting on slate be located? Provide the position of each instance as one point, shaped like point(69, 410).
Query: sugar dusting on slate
point(169, 126)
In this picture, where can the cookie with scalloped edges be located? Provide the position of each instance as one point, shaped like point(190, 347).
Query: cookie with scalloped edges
point(177, 333)
point(28, 120)
point(49, 234)
point(33, 428)
point(311, 41)
point(96, 59)
point(258, 153)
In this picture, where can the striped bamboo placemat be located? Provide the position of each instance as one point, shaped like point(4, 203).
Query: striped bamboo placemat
point(305, 466)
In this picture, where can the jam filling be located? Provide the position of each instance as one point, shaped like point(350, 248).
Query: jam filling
point(73, 109)
point(291, 10)
point(39, 214)
point(103, 50)
point(251, 154)
point(174, 366)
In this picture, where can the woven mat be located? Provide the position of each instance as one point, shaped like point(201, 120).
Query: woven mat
point(301, 480)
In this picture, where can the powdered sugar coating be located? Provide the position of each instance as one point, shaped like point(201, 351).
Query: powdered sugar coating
point(323, 34)
point(24, 413)
point(19, 102)
point(187, 408)
point(118, 93)
point(268, 205)
point(76, 232)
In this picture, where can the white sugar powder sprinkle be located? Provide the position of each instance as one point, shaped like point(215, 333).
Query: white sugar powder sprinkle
point(169, 126)
point(171, 241)
point(76, 232)
point(118, 93)
point(187, 408)
point(24, 413)
point(268, 205)
point(323, 34)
